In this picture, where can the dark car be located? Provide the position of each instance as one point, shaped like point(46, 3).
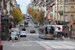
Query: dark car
point(32, 31)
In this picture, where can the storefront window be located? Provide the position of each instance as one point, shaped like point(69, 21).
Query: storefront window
point(4, 23)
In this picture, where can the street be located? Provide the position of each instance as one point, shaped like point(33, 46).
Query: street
point(33, 42)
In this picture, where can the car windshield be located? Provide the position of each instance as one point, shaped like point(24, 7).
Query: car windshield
point(22, 31)
point(13, 34)
point(27, 18)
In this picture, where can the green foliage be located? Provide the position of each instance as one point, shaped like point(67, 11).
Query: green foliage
point(16, 13)
point(39, 16)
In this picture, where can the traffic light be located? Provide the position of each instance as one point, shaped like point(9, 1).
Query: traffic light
point(10, 26)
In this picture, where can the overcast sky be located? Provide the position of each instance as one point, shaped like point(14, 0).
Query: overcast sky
point(23, 5)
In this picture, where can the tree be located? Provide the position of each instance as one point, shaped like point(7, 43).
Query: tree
point(19, 9)
point(41, 17)
point(16, 13)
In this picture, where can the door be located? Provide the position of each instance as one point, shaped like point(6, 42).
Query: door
point(4, 33)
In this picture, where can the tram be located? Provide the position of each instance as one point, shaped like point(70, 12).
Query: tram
point(26, 24)
point(46, 32)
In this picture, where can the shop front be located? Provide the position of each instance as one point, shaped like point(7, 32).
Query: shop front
point(71, 30)
point(4, 27)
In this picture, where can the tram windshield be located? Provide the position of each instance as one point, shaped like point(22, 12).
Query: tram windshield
point(49, 31)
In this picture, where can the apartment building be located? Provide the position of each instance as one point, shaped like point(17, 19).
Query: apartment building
point(0, 5)
point(7, 6)
point(37, 5)
point(66, 16)
point(50, 9)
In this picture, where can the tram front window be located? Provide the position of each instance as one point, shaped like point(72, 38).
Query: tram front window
point(49, 31)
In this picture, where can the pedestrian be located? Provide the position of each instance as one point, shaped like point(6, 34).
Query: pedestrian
point(63, 33)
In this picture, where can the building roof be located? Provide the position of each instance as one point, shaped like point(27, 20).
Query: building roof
point(70, 23)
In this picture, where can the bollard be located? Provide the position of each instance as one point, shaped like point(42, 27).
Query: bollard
point(1, 47)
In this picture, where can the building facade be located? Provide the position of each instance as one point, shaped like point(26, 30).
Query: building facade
point(66, 15)
point(6, 8)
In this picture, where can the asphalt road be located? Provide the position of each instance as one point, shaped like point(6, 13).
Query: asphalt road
point(33, 42)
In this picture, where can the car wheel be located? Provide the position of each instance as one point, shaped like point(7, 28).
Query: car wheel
point(24, 35)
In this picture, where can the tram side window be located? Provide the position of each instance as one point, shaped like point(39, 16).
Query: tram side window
point(52, 30)
point(46, 32)
point(26, 23)
point(41, 31)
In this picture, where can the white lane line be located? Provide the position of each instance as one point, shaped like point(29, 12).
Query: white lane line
point(13, 45)
point(58, 45)
point(23, 44)
point(45, 46)
point(26, 45)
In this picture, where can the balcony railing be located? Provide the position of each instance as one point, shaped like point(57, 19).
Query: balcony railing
point(69, 11)
point(61, 12)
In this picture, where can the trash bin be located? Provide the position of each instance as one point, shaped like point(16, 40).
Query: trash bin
point(1, 47)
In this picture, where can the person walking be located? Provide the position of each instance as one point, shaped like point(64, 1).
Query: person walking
point(63, 35)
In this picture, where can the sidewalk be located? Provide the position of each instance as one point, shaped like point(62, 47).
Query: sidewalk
point(65, 39)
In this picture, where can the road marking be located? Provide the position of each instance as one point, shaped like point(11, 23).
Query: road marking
point(26, 45)
point(58, 45)
point(13, 45)
point(47, 47)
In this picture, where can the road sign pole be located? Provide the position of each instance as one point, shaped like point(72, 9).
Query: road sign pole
point(55, 29)
point(0, 28)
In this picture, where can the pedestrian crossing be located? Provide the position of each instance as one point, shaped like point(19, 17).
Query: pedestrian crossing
point(57, 44)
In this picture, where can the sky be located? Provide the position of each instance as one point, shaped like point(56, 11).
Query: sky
point(23, 5)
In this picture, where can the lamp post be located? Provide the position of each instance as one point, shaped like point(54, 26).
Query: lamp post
point(0, 27)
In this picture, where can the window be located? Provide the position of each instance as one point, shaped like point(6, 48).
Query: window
point(72, 8)
point(60, 18)
point(66, 9)
point(61, 8)
point(72, 17)
point(60, 1)
point(46, 0)
point(66, 1)
point(4, 23)
point(65, 18)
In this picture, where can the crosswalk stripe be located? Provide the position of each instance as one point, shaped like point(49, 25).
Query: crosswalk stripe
point(47, 47)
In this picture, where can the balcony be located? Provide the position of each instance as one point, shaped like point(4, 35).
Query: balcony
point(61, 12)
point(5, 3)
point(69, 11)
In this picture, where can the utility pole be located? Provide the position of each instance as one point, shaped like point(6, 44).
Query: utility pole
point(0, 27)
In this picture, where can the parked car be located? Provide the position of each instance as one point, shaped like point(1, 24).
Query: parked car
point(32, 31)
point(28, 19)
point(21, 25)
point(14, 35)
point(35, 26)
point(35, 22)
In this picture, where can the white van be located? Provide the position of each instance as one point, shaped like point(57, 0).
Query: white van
point(23, 33)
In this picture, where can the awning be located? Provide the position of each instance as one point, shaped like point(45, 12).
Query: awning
point(11, 17)
point(70, 23)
